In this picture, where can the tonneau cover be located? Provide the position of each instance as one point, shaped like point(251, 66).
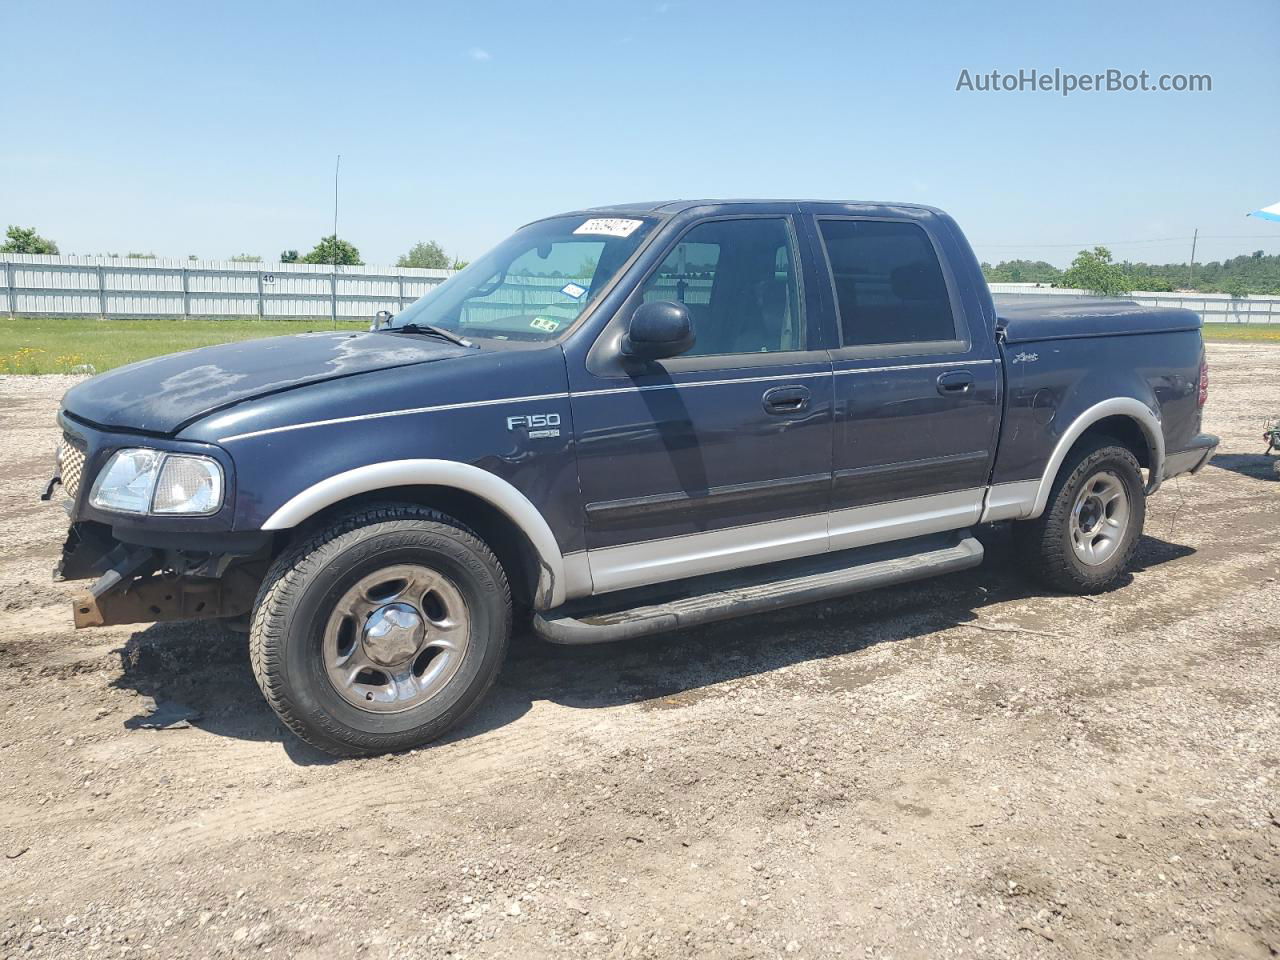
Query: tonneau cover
point(1026, 318)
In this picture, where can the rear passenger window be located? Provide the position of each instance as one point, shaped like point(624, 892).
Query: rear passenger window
point(738, 279)
point(888, 283)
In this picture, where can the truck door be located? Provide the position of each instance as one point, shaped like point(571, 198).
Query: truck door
point(721, 457)
point(917, 388)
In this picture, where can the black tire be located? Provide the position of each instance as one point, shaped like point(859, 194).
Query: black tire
point(1045, 544)
point(302, 589)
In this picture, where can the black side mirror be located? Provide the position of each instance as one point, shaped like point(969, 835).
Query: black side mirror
point(659, 330)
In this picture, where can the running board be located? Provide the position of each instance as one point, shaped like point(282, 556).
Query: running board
point(760, 589)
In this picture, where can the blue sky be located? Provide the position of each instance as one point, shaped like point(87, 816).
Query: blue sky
point(212, 129)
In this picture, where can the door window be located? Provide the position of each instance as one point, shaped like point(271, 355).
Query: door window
point(738, 279)
point(888, 282)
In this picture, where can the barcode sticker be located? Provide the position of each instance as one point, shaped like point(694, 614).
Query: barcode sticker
point(609, 226)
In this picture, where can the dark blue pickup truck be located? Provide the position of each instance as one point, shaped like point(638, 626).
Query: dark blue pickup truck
point(620, 421)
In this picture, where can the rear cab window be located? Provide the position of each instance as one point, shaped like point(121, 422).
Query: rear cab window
point(888, 284)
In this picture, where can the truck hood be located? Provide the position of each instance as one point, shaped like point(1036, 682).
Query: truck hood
point(164, 394)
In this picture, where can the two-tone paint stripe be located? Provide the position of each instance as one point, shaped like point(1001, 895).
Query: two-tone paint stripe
point(607, 391)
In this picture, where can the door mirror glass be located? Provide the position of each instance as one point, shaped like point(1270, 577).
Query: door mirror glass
point(658, 330)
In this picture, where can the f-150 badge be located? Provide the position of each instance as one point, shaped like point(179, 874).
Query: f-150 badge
point(538, 424)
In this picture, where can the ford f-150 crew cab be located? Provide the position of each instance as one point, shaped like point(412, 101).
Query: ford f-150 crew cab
point(620, 421)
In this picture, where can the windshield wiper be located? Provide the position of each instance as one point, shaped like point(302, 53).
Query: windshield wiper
point(431, 329)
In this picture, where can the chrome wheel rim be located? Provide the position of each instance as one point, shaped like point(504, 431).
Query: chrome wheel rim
point(396, 638)
point(1099, 518)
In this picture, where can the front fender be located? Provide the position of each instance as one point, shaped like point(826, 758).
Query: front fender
point(552, 581)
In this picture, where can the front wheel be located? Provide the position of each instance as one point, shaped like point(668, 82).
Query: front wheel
point(382, 631)
point(1090, 527)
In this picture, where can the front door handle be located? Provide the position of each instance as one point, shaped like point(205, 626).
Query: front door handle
point(781, 401)
point(954, 383)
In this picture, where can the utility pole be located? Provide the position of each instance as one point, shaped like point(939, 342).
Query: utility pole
point(333, 286)
point(1191, 274)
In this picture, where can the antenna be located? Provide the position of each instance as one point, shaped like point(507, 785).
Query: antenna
point(334, 288)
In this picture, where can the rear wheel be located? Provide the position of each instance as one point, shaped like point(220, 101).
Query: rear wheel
point(382, 631)
point(1086, 536)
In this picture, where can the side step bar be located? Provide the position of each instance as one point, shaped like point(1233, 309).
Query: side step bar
point(773, 587)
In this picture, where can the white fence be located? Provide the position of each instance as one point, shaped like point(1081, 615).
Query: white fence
point(1212, 307)
point(133, 287)
point(130, 287)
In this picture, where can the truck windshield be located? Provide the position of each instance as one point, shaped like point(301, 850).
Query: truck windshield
point(534, 284)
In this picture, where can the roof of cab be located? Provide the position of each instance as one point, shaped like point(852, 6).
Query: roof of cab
point(670, 207)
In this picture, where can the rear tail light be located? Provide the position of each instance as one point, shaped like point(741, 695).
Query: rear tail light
point(1204, 383)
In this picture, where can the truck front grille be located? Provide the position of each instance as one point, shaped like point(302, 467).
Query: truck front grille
point(70, 465)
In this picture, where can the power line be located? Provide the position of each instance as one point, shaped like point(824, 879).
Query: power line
point(1116, 243)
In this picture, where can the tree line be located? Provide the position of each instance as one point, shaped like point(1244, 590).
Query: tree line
point(1095, 271)
point(1092, 270)
point(427, 254)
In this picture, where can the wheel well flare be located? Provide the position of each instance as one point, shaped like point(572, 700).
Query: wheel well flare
point(486, 502)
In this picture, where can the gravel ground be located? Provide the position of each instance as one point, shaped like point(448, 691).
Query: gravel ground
point(964, 767)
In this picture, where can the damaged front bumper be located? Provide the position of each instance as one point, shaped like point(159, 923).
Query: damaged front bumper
point(146, 582)
point(149, 567)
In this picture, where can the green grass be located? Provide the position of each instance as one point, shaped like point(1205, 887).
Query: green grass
point(1243, 332)
point(60, 344)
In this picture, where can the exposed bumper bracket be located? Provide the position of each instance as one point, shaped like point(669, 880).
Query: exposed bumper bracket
point(166, 598)
point(121, 596)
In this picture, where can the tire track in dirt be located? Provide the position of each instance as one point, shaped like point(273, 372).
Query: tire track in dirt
point(876, 772)
point(519, 755)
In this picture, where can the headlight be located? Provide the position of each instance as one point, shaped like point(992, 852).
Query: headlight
point(127, 482)
point(152, 481)
point(188, 485)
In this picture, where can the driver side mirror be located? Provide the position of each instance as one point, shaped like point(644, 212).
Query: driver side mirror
point(659, 330)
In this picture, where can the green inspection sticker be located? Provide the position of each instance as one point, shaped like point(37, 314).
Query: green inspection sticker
point(545, 324)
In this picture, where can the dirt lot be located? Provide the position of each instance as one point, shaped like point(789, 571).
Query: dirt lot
point(967, 767)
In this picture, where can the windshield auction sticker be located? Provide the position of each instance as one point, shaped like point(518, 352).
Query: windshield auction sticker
point(545, 324)
point(609, 226)
point(575, 290)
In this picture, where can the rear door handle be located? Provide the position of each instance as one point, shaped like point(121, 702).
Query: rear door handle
point(781, 401)
point(955, 382)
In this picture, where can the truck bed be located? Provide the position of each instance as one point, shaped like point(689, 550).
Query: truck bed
point(1027, 318)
